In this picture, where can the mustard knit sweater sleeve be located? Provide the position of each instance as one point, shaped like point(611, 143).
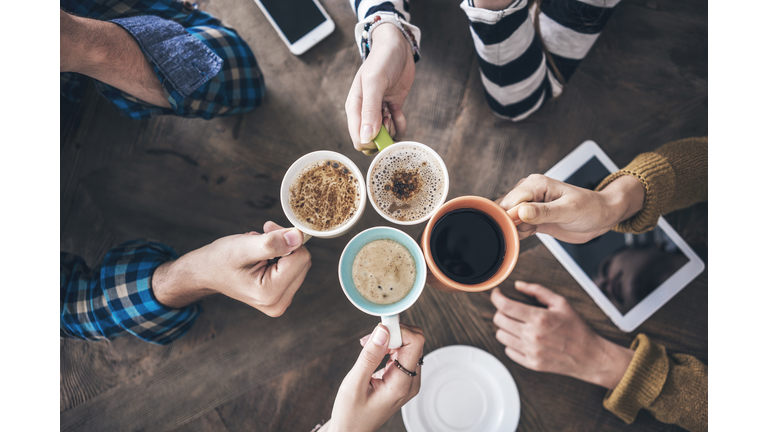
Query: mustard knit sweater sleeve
point(672, 387)
point(674, 177)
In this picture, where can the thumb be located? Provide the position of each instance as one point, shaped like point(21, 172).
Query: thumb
point(271, 245)
point(373, 353)
point(540, 213)
point(370, 123)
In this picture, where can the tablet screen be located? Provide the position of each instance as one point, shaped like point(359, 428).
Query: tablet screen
point(626, 267)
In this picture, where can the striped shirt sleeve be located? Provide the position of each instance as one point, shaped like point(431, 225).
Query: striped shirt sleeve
point(365, 8)
point(397, 12)
point(117, 298)
point(516, 76)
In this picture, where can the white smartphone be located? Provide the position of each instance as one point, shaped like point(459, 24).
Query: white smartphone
point(300, 23)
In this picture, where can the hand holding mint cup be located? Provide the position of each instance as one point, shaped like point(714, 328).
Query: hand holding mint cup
point(382, 272)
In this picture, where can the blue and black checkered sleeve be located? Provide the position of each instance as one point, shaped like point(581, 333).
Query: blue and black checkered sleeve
point(206, 68)
point(117, 299)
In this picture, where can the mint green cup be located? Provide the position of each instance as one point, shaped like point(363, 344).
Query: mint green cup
point(389, 313)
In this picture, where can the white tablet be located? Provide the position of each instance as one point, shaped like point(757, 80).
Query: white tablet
point(629, 276)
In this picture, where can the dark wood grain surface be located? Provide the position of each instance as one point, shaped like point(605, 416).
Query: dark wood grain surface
point(187, 182)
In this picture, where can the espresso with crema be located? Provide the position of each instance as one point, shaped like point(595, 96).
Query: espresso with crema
point(325, 195)
point(407, 184)
point(384, 271)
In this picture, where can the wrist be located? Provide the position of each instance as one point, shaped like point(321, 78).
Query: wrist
point(624, 198)
point(388, 36)
point(176, 284)
point(612, 362)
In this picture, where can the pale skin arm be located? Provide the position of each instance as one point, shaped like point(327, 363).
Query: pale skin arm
point(104, 51)
point(367, 398)
point(238, 267)
point(555, 339)
point(569, 213)
point(379, 89)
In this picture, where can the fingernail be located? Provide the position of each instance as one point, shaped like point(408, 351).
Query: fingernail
point(379, 336)
point(294, 237)
point(519, 284)
point(364, 339)
point(526, 212)
point(366, 134)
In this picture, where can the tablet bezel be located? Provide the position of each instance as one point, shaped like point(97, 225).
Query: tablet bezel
point(658, 297)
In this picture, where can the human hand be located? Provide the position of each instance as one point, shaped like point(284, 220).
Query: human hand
point(379, 89)
point(366, 399)
point(555, 339)
point(238, 266)
point(570, 213)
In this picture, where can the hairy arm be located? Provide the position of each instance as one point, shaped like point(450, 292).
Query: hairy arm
point(104, 51)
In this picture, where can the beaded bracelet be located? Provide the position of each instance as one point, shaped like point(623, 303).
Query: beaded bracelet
point(366, 39)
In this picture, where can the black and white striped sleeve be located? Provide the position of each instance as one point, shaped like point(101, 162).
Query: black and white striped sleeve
point(394, 11)
point(514, 70)
point(365, 8)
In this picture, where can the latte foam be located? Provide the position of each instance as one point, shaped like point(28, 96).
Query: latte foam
point(407, 184)
point(384, 271)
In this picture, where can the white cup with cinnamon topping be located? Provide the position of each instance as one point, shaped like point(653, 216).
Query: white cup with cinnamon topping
point(323, 194)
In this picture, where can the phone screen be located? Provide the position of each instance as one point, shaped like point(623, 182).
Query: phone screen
point(626, 267)
point(295, 18)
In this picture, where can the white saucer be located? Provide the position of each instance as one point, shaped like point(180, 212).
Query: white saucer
point(463, 389)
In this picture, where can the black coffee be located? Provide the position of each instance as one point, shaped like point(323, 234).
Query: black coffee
point(467, 246)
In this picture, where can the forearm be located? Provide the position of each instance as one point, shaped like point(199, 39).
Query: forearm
point(105, 52)
point(624, 198)
point(180, 283)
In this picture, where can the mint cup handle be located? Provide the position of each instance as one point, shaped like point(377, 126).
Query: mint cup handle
point(392, 323)
point(383, 140)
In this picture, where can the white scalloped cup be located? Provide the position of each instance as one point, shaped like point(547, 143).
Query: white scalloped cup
point(295, 169)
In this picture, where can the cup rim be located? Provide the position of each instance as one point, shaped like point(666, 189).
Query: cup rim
point(421, 279)
point(507, 265)
point(396, 146)
point(285, 192)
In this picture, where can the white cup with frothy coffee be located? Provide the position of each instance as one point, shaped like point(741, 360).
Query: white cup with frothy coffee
point(323, 194)
point(407, 182)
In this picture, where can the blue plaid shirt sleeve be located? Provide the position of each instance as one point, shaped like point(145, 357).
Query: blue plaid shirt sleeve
point(206, 69)
point(117, 299)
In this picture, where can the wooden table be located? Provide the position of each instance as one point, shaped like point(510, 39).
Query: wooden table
point(187, 182)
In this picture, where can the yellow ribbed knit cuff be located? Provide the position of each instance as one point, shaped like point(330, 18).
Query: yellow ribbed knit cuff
point(641, 383)
point(658, 179)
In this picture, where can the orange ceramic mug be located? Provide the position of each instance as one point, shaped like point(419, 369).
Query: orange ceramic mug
point(438, 279)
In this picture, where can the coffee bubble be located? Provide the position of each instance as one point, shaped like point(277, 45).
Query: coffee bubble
point(404, 183)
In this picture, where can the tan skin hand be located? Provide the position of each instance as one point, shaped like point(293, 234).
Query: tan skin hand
point(368, 398)
point(569, 213)
point(238, 266)
point(555, 339)
point(379, 89)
